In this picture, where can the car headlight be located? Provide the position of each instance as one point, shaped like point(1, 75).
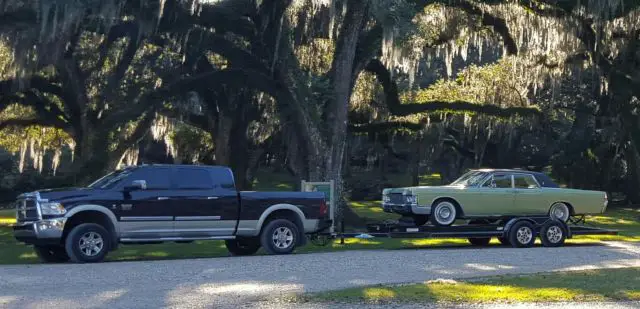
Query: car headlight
point(386, 199)
point(411, 199)
point(52, 208)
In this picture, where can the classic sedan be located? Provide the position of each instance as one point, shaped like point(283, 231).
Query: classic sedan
point(492, 194)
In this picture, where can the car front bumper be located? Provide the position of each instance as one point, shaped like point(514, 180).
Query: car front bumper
point(406, 209)
point(42, 232)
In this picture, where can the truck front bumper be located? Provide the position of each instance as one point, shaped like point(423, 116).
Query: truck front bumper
point(42, 232)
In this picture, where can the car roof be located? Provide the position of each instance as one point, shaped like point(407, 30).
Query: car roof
point(505, 170)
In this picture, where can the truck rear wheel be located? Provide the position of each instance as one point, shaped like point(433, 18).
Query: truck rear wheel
point(51, 254)
point(279, 236)
point(88, 243)
point(242, 246)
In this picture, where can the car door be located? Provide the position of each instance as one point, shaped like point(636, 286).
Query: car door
point(494, 197)
point(200, 205)
point(146, 213)
point(528, 199)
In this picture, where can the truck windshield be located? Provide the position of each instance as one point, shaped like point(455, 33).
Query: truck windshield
point(469, 179)
point(111, 179)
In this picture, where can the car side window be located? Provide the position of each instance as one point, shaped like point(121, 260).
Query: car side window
point(525, 182)
point(192, 179)
point(156, 178)
point(499, 181)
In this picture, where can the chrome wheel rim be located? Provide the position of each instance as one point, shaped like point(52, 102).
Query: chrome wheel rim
point(560, 212)
point(91, 244)
point(445, 213)
point(283, 237)
point(554, 234)
point(524, 235)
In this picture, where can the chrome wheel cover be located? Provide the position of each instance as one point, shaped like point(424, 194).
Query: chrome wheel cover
point(445, 213)
point(560, 212)
point(91, 244)
point(283, 237)
point(554, 234)
point(524, 235)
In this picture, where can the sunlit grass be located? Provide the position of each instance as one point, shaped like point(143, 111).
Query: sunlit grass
point(593, 285)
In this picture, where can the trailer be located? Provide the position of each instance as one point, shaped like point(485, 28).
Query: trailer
point(517, 232)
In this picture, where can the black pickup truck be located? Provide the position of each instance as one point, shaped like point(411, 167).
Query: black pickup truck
point(160, 203)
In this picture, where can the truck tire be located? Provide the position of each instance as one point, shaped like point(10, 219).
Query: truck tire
point(279, 236)
point(552, 234)
point(88, 243)
point(242, 246)
point(51, 254)
point(522, 235)
point(480, 241)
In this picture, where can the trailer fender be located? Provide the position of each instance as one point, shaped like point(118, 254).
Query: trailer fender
point(511, 222)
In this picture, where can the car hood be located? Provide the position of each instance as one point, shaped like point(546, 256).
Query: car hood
point(59, 194)
point(421, 188)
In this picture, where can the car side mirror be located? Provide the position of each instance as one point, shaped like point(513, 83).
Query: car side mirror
point(136, 185)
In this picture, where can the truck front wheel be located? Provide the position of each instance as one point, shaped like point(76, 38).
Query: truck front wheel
point(88, 243)
point(51, 254)
point(242, 246)
point(279, 236)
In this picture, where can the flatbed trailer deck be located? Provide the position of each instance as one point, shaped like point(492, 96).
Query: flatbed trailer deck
point(517, 231)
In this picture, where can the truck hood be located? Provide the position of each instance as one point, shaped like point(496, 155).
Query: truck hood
point(59, 194)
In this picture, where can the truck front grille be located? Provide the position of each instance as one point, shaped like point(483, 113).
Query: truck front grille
point(27, 210)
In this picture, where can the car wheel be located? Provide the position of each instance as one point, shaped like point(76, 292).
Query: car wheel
point(522, 235)
point(483, 241)
point(51, 254)
point(420, 220)
point(552, 234)
point(560, 211)
point(88, 243)
point(444, 214)
point(242, 246)
point(279, 236)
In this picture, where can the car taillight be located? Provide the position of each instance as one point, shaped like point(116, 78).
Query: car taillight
point(323, 208)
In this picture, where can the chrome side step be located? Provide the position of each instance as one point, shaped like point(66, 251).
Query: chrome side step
point(135, 240)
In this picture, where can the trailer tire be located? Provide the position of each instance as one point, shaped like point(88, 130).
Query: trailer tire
point(279, 236)
point(480, 241)
point(552, 234)
point(522, 235)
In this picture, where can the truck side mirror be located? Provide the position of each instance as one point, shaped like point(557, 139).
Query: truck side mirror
point(136, 185)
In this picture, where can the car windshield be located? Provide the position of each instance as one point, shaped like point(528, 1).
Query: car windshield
point(111, 179)
point(469, 179)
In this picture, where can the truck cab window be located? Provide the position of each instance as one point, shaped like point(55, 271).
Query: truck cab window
point(192, 179)
point(156, 178)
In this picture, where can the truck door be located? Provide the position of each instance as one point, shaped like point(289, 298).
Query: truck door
point(204, 205)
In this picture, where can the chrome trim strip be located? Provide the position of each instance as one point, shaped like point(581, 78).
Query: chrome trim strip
point(126, 240)
point(158, 218)
point(198, 218)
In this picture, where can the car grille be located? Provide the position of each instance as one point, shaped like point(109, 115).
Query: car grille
point(27, 210)
point(397, 198)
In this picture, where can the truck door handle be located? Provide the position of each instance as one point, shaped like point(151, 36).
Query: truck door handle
point(212, 197)
point(162, 198)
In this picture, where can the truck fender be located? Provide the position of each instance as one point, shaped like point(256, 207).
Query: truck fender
point(98, 208)
point(276, 207)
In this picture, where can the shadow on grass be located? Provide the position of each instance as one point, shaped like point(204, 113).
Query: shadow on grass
point(592, 285)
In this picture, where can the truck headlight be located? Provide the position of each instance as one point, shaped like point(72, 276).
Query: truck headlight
point(52, 208)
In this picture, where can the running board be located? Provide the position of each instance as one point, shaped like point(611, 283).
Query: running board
point(136, 240)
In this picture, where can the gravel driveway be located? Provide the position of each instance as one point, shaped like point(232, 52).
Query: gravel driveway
point(247, 281)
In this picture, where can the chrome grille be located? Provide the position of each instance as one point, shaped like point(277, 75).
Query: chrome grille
point(27, 210)
point(397, 198)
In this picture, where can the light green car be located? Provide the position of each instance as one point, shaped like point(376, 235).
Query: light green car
point(492, 194)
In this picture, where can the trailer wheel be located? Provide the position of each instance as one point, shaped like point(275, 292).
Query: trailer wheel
point(522, 235)
point(552, 234)
point(480, 241)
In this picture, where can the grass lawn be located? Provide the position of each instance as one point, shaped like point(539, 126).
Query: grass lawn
point(592, 285)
